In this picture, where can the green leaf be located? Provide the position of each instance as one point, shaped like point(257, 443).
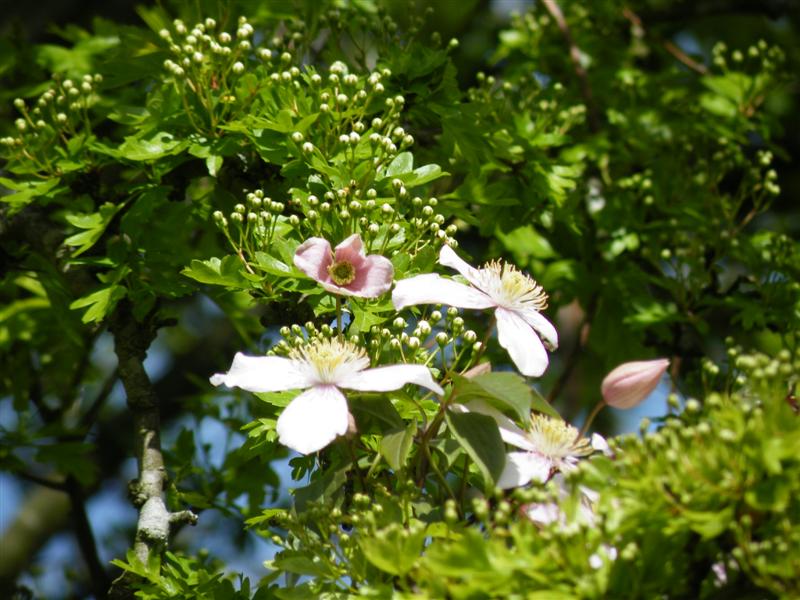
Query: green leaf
point(394, 549)
point(213, 164)
point(100, 302)
point(157, 146)
point(479, 436)
point(504, 391)
point(424, 174)
point(379, 408)
point(26, 192)
point(94, 225)
point(402, 163)
point(273, 266)
point(396, 445)
point(226, 272)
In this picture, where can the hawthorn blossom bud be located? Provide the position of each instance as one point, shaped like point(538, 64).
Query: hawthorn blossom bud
point(630, 383)
point(297, 137)
point(19, 103)
point(441, 338)
point(308, 147)
point(238, 67)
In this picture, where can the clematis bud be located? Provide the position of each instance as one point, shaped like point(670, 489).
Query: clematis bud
point(630, 383)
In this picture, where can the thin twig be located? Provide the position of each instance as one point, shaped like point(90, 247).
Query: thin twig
point(43, 481)
point(83, 532)
point(676, 52)
point(575, 56)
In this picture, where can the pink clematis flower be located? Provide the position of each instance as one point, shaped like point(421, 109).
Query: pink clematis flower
point(630, 383)
point(346, 270)
point(318, 415)
point(517, 299)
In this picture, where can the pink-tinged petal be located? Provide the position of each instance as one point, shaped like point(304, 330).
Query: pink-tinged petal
point(313, 420)
point(386, 379)
point(432, 289)
point(313, 257)
point(262, 374)
point(350, 250)
point(542, 326)
point(449, 258)
point(373, 277)
point(509, 431)
point(630, 383)
point(522, 468)
point(521, 342)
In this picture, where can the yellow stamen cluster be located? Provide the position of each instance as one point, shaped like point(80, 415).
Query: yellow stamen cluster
point(555, 438)
point(329, 360)
point(342, 273)
point(511, 287)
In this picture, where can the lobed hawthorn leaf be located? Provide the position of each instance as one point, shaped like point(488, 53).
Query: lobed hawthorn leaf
point(214, 271)
point(396, 445)
point(93, 224)
point(394, 549)
point(480, 438)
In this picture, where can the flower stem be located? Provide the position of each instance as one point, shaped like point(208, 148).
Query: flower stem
point(339, 316)
point(597, 408)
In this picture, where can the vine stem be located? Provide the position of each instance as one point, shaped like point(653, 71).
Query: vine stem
point(595, 411)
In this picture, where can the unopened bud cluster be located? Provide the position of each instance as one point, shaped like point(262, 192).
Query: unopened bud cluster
point(53, 119)
point(251, 226)
point(206, 63)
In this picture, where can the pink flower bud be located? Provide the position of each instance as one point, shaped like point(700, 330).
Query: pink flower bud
point(631, 382)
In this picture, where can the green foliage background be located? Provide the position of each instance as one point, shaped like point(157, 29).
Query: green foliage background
point(645, 179)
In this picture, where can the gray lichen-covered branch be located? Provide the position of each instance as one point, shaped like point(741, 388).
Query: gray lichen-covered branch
point(131, 340)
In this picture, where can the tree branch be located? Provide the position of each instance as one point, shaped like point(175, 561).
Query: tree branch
point(131, 340)
point(575, 56)
point(98, 577)
point(679, 54)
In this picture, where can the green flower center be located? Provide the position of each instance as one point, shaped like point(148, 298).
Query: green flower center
point(342, 273)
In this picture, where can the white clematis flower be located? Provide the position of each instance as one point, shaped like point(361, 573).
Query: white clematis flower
point(517, 299)
point(551, 444)
point(317, 416)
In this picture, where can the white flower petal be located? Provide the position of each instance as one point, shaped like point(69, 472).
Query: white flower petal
point(600, 444)
point(521, 342)
point(522, 468)
point(314, 419)
point(393, 377)
point(509, 431)
point(542, 326)
point(544, 513)
point(449, 258)
point(262, 374)
point(432, 289)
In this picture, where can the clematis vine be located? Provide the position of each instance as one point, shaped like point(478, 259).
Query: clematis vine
point(517, 299)
point(550, 445)
point(346, 270)
point(318, 415)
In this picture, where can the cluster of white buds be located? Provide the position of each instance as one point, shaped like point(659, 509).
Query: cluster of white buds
point(58, 114)
point(251, 227)
point(202, 51)
point(759, 56)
